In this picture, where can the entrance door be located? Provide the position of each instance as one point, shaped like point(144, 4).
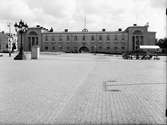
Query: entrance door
point(29, 43)
point(84, 49)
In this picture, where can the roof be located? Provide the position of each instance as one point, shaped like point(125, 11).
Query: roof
point(149, 47)
point(89, 32)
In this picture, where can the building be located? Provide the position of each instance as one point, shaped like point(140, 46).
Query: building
point(8, 42)
point(88, 41)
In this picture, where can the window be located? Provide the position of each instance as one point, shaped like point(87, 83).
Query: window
point(83, 38)
point(92, 38)
point(53, 38)
point(46, 48)
point(46, 38)
point(100, 37)
point(60, 38)
point(33, 41)
point(33, 33)
point(115, 37)
point(75, 38)
point(141, 42)
point(36, 40)
point(123, 37)
point(68, 47)
point(60, 47)
point(75, 48)
point(92, 48)
point(100, 47)
point(108, 48)
point(68, 38)
point(53, 48)
point(29, 39)
point(123, 47)
point(115, 48)
point(108, 37)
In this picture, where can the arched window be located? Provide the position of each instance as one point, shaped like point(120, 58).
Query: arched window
point(32, 33)
point(32, 39)
point(137, 39)
point(137, 32)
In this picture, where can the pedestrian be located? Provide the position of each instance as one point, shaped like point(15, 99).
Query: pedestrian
point(9, 53)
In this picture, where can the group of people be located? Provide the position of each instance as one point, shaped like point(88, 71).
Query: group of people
point(138, 55)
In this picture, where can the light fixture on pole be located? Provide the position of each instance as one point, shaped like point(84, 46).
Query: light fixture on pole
point(21, 28)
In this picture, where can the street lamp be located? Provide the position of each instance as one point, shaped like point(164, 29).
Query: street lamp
point(21, 28)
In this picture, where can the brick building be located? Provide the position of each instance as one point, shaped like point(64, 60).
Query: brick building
point(88, 41)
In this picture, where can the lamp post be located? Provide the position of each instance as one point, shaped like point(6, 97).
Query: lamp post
point(21, 28)
point(95, 48)
point(166, 84)
point(9, 40)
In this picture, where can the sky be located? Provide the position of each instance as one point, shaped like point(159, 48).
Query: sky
point(70, 14)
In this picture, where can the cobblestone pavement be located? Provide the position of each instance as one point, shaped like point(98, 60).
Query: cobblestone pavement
point(82, 89)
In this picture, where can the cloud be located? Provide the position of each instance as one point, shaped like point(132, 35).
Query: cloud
point(158, 3)
point(14, 9)
point(61, 14)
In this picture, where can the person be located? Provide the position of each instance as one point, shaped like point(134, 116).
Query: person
point(9, 53)
point(137, 56)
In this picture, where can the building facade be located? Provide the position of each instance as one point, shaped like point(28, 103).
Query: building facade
point(8, 42)
point(88, 41)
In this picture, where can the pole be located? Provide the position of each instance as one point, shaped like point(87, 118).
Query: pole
point(10, 42)
point(21, 28)
point(21, 47)
point(166, 64)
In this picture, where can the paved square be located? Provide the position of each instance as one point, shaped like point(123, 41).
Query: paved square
point(82, 89)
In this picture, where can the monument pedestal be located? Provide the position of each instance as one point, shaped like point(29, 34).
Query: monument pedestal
point(35, 52)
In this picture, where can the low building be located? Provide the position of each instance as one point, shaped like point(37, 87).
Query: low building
point(8, 42)
point(88, 41)
point(3, 42)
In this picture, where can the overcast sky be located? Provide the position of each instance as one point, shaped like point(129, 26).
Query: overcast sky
point(108, 14)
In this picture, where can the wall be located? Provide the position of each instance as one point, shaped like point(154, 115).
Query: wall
point(3, 42)
point(57, 41)
point(73, 44)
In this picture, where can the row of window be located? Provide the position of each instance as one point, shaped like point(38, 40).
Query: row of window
point(33, 40)
point(92, 43)
point(93, 48)
point(93, 38)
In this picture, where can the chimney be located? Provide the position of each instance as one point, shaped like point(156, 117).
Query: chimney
point(66, 30)
point(38, 26)
point(103, 30)
point(120, 29)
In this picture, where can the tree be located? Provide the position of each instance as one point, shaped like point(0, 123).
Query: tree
point(162, 43)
